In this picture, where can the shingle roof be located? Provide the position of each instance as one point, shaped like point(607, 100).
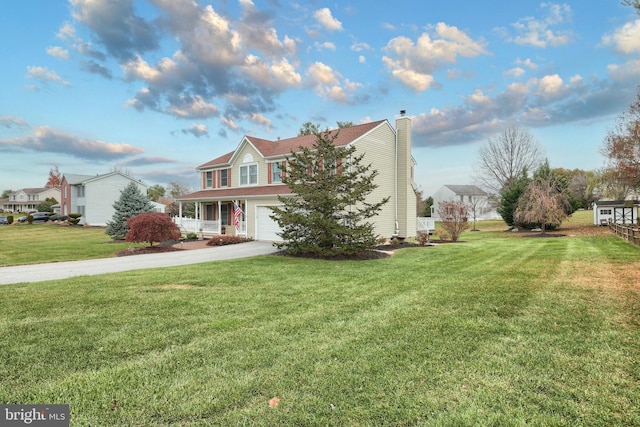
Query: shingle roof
point(466, 190)
point(226, 193)
point(285, 146)
point(75, 179)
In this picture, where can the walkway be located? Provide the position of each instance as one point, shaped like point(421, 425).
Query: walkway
point(63, 270)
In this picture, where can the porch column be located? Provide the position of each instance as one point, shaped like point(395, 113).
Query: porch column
point(219, 218)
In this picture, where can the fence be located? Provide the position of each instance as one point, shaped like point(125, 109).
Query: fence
point(628, 233)
point(425, 224)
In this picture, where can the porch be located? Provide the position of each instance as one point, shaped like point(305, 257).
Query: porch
point(214, 218)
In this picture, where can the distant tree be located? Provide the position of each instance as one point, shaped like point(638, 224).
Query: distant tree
point(622, 146)
point(155, 192)
point(428, 203)
point(342, 125)
point(454, 217)
point(131, 203)
point(632, 3)
point(545, 200)
point(502, 159)
point(309, 128)
point(5, 194)
point(475, 204)
point(509, 197)
point(152, 227)
point(175, 190)
point(328, 213)
point(55, 178)
point(47, 205)
point(611, 185)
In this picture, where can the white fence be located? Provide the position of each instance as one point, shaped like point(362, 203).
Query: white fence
point(425, 224)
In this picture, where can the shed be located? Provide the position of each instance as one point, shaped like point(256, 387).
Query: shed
point(618, 211)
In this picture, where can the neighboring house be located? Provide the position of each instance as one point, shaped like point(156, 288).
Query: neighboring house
point(474, 197)
point(251, 177)
point(618, 211)
point(93, 196)
point(28, 199)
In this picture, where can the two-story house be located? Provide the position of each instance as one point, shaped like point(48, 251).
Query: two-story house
point(93, 196)
point(476, 199)
point(28, 199)
point(250, 177)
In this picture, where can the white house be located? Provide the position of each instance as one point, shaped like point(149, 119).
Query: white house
point(28, 199)
point(93, 196)
point(251, 178)
point(474, 197)
point(618, 211)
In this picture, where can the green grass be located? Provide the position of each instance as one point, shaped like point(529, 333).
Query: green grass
point(492, 331)
point(38, 243)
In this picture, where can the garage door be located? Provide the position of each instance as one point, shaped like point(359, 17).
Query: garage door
point(266, 227)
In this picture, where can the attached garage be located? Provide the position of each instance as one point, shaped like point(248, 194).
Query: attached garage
point(266, 228)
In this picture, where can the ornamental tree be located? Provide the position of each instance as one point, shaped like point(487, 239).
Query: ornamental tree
point(327, 213)
point(131, 203)
point(152, 227)
point(454, 216)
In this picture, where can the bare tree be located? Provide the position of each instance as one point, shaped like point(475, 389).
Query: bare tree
point(454, 215)
point(503, 158)
point(543, 203)
point(632, 3)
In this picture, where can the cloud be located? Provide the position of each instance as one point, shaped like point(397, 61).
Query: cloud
point(58, 52)
point(414, 63)
point(95, 68)
point(197, 130)
point(541, 33)
point(48, 140)
point(326, 19)
point(12, 122)
point(625, 39)
point(45, 75)
point(147, 160)
point(539, 102)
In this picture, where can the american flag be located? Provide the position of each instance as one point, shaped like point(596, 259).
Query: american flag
point(237, 212)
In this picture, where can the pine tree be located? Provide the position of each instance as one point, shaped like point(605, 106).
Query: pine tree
point(131, 203)
point(327, 213)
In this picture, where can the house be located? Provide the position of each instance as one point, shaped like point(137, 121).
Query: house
point(618, 211)
point(251, 178)
point(28, 199)
point(93, 196)
point(474, 197)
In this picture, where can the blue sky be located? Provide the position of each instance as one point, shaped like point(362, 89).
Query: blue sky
point(158, 87)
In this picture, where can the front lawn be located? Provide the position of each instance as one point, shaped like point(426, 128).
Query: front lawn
point(492, 331)
point(39, 243)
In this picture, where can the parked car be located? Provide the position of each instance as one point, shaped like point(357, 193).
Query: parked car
point(41, 216)
point(22, 219)
point(3, 220)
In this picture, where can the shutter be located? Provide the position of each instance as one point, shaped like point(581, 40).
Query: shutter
point(269, 169)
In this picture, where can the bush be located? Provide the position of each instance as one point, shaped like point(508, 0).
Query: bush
point(423, 238)
point(30, 219)
point(227, 239)
point(74, 218)
point(151, 227)
point(10, 219)
point(58, 217)
point(192, 236)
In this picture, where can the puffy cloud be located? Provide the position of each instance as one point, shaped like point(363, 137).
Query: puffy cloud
point(415, 63)
point(197, 130)
point(45, 75)
point(541, 32)
point(193, 107)
point(326, 19)
point(625, 39)
point(58, 52)
point(46, 139)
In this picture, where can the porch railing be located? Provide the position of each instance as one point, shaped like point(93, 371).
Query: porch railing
point(426, 225)
point(191, 225)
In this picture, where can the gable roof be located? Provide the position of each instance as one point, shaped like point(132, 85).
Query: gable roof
point(466, 190)
point(283, 147)
point(33, 190)
point(74, 179)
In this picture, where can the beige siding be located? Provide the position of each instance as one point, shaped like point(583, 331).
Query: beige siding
point(239, 161)
point(379, 150)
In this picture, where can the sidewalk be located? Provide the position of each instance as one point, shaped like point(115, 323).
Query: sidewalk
point(63, 270)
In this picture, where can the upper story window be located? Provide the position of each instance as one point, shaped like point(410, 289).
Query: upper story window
point(276, 172)
point(208, 179)
point(224, 181)
point(249, 174)
point(81, 191)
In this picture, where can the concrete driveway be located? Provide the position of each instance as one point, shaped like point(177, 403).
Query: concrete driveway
point(63, 270)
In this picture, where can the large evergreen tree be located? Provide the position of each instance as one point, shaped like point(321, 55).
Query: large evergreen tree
point(327, 213)
point(510, 195)
point(131, 203)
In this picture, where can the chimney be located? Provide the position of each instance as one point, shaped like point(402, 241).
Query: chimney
point(405, 196)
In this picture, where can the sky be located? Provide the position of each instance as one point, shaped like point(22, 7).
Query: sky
point(155, 88)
